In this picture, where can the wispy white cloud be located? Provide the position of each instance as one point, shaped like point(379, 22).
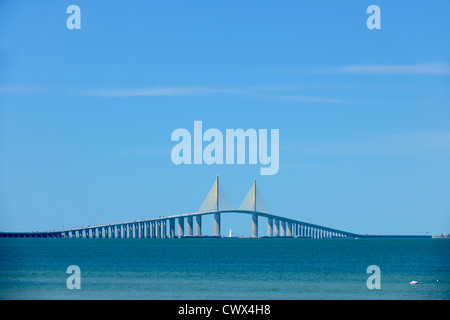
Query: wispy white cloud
point(15, 90)
point(147, 92)
point(435, 68)
point(268, 92)
point(312, 99)
point(261, 92)
point(179, 91)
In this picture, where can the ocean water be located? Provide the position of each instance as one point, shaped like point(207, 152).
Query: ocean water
point(228, 268)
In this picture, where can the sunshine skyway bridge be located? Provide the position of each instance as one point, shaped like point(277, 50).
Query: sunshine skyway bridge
point(216, 203)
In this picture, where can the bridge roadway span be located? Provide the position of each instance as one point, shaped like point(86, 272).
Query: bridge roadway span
point(164, 227)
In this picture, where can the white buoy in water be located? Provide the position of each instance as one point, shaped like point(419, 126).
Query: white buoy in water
point(414, 282)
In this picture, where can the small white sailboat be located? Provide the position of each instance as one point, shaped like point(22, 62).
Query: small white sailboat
point(231, 234)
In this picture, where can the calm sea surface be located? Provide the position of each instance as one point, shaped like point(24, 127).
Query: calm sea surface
point(224, 268)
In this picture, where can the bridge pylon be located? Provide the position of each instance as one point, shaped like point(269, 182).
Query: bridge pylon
point(253, 201)
point(216, 201)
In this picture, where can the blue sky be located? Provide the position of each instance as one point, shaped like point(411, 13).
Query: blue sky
point(364, 115)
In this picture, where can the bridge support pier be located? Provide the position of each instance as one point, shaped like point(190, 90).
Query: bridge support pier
point(180, 227)
point(283, 228)
point(198, 225)
point(152, 229)
point(163, 228)
point(158, 229)
point(172, 228)
point(254, 225)
point(270, 227)
point(189, 226)
point(217, 224)
point(276, 228)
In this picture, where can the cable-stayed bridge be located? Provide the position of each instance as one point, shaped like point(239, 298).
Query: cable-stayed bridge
point(216, 203)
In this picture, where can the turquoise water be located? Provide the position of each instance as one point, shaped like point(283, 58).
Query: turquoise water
point(224, 268)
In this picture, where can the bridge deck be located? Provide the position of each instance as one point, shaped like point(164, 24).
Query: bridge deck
point(309, 229)
point(157, 227)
